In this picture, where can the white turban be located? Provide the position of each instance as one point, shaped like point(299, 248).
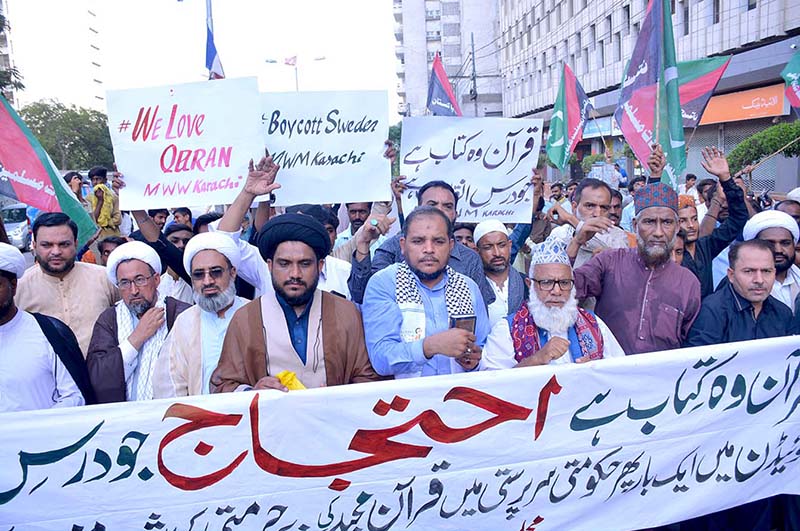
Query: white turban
point(794, 194)
point(132, 251)
point(485, 227)
point(214, 241)
point(770, 219)
point(11, 260)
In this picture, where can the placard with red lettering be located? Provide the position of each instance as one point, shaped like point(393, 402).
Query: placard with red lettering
point(329, 145)
point(186, 144)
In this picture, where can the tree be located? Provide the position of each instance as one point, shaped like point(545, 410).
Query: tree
point(765, 143)
point(75, 137)
point(395, 132)
point(10, 78)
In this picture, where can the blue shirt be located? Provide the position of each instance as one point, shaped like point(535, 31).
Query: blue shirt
point(297, 325)
point(382, 323)
point(628, 213)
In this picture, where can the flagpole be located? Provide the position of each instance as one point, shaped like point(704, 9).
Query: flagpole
point(600, 130)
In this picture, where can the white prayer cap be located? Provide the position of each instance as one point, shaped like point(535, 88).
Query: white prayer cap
point(11, 260)
point(132, 251)
point(485, 227)
point(214, 241)
point(550, 251)
point(770, 219)
point(794, 194)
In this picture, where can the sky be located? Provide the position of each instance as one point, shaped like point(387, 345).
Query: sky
point(146, 43)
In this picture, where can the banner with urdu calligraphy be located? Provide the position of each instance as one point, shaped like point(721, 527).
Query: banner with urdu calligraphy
point(616, 444)
point(488, 162)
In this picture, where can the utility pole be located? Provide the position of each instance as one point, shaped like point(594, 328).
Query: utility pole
point(473, 93)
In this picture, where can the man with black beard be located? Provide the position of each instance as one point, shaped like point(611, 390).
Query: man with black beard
point(192, 349)
point(293, 327)
point(648, 301)
point(128, 337)
point(551, 324)
point(75, 293)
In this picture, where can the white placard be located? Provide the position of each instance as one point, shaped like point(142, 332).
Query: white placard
point(329, 145)
point(186, 144)
point(488, 161)
point(614, 445)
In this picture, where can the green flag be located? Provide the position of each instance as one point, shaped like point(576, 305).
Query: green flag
point(670, 119)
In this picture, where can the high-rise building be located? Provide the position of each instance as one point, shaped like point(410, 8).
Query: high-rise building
point(6, 55)
point(424, 28)
point(596, 39)
point(57, 49)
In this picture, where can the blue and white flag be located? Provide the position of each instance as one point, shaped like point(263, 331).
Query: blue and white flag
point(213, 62)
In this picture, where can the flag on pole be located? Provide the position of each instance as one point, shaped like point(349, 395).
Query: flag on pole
point(441, 98)
point(570, 112)
point(213, 62)
point(290, 61)
point(29, 176)
point(791, 74)
point(649, 108)
point(697, 81)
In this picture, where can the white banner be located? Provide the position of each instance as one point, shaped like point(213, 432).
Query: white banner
point(488, 161)
point(184, 144)
point(329, 145)
point(618, 444)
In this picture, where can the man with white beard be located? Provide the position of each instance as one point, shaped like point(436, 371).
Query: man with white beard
point(551, 328)
point(193, 347)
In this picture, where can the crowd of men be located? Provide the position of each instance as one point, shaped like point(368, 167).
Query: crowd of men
point(288, 300)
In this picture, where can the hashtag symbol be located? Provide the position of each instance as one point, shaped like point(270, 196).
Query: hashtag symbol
point(123, 126)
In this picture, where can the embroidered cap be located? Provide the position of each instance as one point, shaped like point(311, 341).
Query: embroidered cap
point(550, 251)
point(655, 195)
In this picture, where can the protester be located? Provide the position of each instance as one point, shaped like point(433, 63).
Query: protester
point(73, 292)
point(780, 230)
point(591, 203)
point(105, 203)
point(193, 347)
point(107, 245)
point(700, 251)
point(615, 208)
point(172, 284)
point(557, 193)
point(634, 185)
point(508, 284)
point(688, 187)
point(647, 301)
point(75, 183)
point(128, 337)
point(33, 371)
point(465, 234)
point(159, 216)
point(408, 306)
point(551, 324)
point(202, 222)
point(294, 326)
point(792, 207)
point(679, 248)
point(437, 194)
point(182, 216)
point(358, 214)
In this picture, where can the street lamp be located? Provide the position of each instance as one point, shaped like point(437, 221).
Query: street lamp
point(292, 61)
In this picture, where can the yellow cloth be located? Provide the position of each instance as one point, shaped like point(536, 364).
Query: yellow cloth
point(107, 218)
point(289, 379)
point(78, 299)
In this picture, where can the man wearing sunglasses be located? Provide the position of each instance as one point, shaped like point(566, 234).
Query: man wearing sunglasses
point(128, 337)
point(193, 347)
point(551, 328)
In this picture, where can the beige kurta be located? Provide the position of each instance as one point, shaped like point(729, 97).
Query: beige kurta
point(179, 368)
point(78, 299)
point(244, 353)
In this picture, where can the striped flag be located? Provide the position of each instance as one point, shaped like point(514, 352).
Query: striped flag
point(570, 112)
point(791, 74)
point(649, 108)
point(213, 62)
point(697, 81)
point(442, 100)
point(29, 176)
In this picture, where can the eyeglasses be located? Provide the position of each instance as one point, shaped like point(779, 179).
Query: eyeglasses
point(547, 284)
point(215, 273)
point(140, 281)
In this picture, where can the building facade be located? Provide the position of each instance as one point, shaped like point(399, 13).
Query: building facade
point(6, 51)
point(424, 28)
point(597, 37)
point(59, 54)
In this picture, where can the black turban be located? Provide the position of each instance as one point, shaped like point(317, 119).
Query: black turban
point(293, 228)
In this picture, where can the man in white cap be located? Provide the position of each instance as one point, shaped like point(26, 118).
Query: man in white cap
point(781, 231)
point(508, 284)
point(564, 332)
point(193, 347)
point(32, 375)
point(128, 337)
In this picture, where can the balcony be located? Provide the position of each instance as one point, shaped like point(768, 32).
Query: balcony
point(401, 88)
point(402, 109)
point(398, 32)
point(399, 51)
point(433, 36)
point(397, 10)
point(433, 14)
point(400, 70)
